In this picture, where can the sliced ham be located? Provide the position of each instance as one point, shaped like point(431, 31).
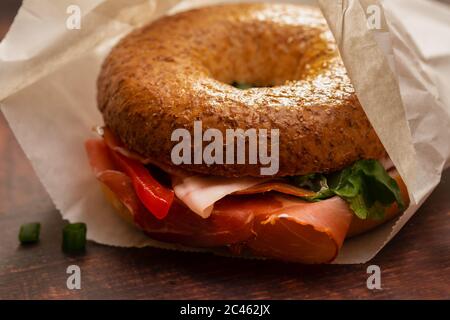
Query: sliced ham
point(200, 193)
point(269, 224)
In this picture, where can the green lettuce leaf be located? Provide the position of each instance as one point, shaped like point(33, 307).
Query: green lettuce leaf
point(366, 186)
point(316, 182)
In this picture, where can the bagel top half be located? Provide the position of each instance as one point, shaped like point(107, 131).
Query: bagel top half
point(180, 68)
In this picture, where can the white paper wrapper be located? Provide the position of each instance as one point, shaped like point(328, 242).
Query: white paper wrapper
point(47, 93)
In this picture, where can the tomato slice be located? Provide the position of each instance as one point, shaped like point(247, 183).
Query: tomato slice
point(155, 197)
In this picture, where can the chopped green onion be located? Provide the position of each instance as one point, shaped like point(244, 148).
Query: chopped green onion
point(74, 238)
point(29, 233)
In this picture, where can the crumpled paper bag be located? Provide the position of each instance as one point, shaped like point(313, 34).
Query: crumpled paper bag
point(47, 94)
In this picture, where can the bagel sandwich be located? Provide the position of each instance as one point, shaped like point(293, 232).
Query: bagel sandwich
point(246, 69)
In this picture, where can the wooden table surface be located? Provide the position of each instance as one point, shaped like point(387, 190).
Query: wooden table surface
point(416, 264)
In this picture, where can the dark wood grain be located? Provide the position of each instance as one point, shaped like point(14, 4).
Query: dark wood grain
point(416, 264)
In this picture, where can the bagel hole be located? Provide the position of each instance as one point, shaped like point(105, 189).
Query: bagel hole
point(263, 54)
point(246, 86)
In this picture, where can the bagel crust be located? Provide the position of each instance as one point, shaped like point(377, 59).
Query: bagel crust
point(180, 68)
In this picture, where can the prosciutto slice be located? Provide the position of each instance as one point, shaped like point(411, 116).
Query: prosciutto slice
point(198, 192)
point(226, 225)
point(278, 186)
point(308, 232)
point(268, 224)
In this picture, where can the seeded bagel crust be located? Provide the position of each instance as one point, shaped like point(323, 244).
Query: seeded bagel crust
point(179, 69)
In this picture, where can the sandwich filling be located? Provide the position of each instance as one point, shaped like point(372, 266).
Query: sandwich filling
point(302, 218)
